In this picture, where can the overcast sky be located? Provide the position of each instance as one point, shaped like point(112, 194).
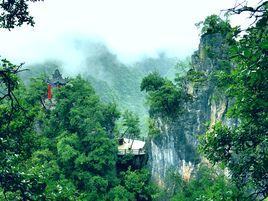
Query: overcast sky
point(129, 28)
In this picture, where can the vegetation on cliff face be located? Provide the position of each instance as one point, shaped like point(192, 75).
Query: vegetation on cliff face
point(243, 149)
point(208, 184)
point(242, 78)
point(166, 99)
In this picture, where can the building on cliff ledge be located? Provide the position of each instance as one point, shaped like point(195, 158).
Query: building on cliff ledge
point(130, 146)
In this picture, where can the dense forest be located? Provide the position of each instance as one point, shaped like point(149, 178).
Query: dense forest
point(204, 120)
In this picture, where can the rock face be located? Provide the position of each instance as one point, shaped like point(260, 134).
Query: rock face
point(174, 149)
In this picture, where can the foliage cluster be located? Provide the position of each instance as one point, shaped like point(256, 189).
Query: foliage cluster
point(207, 184)
point(15, 13)
point(214, 24)
point(65, 153)
point(164, 97)
point(243, 149)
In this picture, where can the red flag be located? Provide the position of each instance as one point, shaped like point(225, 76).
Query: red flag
point(49, 93)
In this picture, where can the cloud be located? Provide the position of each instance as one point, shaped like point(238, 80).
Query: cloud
point(130, 28)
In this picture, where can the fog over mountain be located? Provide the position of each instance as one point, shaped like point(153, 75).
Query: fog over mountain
point(130, 29)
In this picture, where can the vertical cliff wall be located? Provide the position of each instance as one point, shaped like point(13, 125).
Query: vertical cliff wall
point(174, 149)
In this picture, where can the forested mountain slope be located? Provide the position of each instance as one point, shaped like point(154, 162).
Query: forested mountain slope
point(113, 81)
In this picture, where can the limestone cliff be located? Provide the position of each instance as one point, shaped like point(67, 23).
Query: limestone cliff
point(174, 149)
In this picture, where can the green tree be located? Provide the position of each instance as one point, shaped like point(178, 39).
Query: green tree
point(164, 97)
point(17, 136)
point(130, 125)
point(119, 193)
point(214, 24)
point(18, 140)
point(206, 184)
point(77, 134)
point(15, 13)
point(138, 183)
point(243, 149)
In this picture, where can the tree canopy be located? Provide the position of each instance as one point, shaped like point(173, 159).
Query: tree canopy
point(243, 149)
point(15, 13)
point(164, 97)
